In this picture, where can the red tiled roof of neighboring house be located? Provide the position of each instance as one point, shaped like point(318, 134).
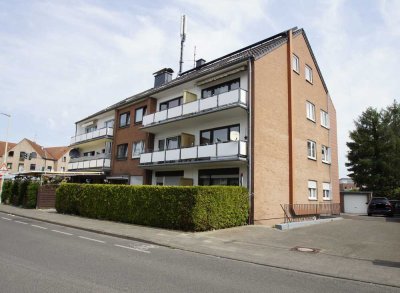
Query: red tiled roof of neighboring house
point(3, 146)
point(41, 151)
point(57, 152)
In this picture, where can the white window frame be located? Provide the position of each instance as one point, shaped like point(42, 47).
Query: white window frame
point(137, 148)
point(312, 190)
point(310, 110)
point(308, 73)
point(326, 191)
point(326, 154)
point(296, 63)
point(311, 150)
point(325, 119)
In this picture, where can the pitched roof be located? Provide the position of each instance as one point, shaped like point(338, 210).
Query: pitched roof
point(256, 50)
point(57, 152)
point(3, 146)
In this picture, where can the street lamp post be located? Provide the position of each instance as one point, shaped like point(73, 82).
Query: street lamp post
point(5, 151)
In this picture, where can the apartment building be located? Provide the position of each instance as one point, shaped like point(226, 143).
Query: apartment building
point(27, 155)
point(260, 117)
point(92, 144)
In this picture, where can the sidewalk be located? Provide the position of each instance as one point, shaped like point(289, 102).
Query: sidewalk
point(351, 257)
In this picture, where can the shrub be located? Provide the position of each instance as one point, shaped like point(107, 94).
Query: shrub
point(194, 208)
point(31, 195)
point(6, 193)
point(14, 192)
point(22, 188)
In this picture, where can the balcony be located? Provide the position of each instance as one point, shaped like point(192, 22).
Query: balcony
point(225, 151)
point(97, 134)
point(101, 161)
point(218, 102)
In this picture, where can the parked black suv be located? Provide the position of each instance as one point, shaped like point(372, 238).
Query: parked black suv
point(396, 205)
point(380, 206)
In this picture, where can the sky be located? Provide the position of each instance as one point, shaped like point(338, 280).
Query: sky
point(61, 61)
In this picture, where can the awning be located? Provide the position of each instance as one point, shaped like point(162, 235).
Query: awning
point(117, 178)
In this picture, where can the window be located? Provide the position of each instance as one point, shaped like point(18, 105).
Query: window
point(324, 119)
point(221, 88)
point(23, 155)
point(161, 144)
point(49, 168)
point(171, 103)
point(295, 63)
point(32, 167)
point(311, 150)
point(137, 148)
point(122, 151)
point(310, 108)
point(89, 154)
point(326, 154)
point(229, 176)
point(124, 119)
point(139, 113)
point(33, 155)
point(9, 166)
point(20, 167)
point(109, 123)
point(312, 190)
point(62, 169)
point(173, 142)
point(309, 76)
point(326, 191)
point(90, 128)
point(221, 134)
point(64, 159)
point(11, 153)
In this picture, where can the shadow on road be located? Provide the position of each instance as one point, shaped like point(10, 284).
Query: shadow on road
point(386, 263)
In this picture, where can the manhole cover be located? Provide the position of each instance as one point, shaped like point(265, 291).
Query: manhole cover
point(305, 249)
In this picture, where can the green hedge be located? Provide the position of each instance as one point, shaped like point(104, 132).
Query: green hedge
point(20, 193)
point(31, 195)
point(7, 191)
point(194, 208)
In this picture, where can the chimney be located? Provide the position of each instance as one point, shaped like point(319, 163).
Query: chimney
point(162, 76)
point(200, 62)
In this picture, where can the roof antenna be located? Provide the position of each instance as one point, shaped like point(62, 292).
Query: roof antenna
point(183, 38)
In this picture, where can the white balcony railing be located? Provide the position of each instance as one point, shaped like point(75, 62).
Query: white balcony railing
point(106, 131)
point(213, 152)
point(102, 161)
point(238, 96)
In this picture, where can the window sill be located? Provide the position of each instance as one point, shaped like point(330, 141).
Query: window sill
point(125, 126)
point(135, 157)
point(326, 127)
point(326, 162)
point(122, 159)
point(298, 73)
point(309, 119)
point(327, 199)
point(312, 159)
point(310, 82)
point(313, 199)
point(139, 123)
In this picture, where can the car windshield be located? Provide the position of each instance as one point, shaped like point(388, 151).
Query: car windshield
point(379, 200)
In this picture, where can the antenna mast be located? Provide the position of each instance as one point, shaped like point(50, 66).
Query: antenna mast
point(183, 38)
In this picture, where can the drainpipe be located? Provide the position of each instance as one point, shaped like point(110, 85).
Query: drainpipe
point(250, 131)
point(290, 118)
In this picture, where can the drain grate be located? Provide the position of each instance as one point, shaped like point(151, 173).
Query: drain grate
point(305, 249)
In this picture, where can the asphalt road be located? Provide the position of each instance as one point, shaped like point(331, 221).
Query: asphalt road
point(41, 257)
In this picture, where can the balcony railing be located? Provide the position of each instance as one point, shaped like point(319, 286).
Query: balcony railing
point(106, 131)
point(238, 96)
point(211, 152)
point(101, 161)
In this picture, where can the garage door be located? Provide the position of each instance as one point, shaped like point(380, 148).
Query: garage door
point(355, 203)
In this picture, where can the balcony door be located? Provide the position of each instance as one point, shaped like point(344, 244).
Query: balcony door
point(221, 134)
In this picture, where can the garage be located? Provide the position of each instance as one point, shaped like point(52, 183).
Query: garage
point(355, 202)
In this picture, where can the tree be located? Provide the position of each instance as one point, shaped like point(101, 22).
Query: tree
point(374, 151)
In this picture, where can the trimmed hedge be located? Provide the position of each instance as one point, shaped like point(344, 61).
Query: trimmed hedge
point(31, 195)
point(7, 191)
point(194, 208)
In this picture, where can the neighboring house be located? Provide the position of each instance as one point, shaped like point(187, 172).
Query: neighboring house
point(92, 144)
point(260, 117)
point(346, 184)
point(29, 156)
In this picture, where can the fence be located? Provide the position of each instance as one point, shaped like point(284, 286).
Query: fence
point(46, 197)
point(303, 212)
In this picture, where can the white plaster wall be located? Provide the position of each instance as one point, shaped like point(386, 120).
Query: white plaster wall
point(101, 119)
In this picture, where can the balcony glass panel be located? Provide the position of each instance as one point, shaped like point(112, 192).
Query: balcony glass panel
point(207, 151)
point(158, 116)
point(209, 103)
point(158, 156)
point(145, 158)
point(108, 131)
point(191, 107)
point(174, 112)
point(189, 153)
point(148, 119)
point(172, 155)
point(228, 98)
point(228, 148)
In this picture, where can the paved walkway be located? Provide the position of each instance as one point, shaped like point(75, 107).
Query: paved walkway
point(352, 248)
